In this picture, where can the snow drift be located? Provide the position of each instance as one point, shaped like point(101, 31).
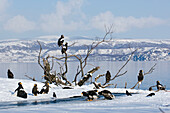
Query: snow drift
point(138, 102)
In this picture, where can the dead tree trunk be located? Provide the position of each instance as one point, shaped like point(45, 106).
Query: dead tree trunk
point(46, 67)
point(88, 75)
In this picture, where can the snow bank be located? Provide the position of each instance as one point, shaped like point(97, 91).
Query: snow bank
point(138, 102)
point(9, 85)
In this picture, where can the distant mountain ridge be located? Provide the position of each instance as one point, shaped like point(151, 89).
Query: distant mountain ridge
point(115, 50)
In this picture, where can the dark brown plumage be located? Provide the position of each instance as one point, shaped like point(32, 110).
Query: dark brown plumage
point(64, 48)
point(60, 41)
point(159, 86)
point(87, 95)
point(19, 86)
point(46, 90)
point(54, 95)
point(108, 76)
point(128, 94)
point(10, 74)
point(35, 90)
point(151, 94)
point(140, 76)
point(91, 94)
point(150, 88)
point(107, 94)
point(20, 91)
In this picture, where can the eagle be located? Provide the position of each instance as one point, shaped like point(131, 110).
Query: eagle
point(60, 41)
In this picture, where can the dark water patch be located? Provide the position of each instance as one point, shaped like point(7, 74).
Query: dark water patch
point(121, 94)
point(75, 99)
point(13, 104)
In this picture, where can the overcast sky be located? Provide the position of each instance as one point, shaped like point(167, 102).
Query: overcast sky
point(26, 19)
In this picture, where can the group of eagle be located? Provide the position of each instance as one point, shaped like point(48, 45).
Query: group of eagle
point(61, 44)
point(23, 94)
point(89, 94)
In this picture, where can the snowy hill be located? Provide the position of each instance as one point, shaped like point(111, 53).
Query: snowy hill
point(115, 50)
point(45, 103)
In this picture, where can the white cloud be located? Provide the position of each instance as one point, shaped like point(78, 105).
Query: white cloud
point(123, 24)
point(19, 24)
point(67, 17)
point(3, 5)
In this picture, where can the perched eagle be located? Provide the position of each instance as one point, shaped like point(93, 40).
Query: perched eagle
point(140, 76)
point(108, 76)
point(64, 48)
point(60, 40)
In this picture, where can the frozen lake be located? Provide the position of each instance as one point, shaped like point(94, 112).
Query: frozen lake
point(161, 72)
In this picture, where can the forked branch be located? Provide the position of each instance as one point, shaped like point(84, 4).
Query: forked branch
point(118, 75)
point(151, 70)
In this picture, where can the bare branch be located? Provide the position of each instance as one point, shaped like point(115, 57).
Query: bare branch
point(161, 110)
point(94, 70)
point(135, 85)
point(125, 85)
point(72, 44)
point(40, 55)
point(98, 77)
point(61, 67)
point(107, 85)
point(30, 78)
point(151, 70)
point(117, 75)
point(83, 63)
point(52, 64)
point(122, 74)
point(115, 85)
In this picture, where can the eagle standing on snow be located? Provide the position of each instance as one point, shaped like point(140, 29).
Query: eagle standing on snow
point(35, 90)
point(107, 94)
point(10, 74)
point(91, 94)
point(159, 86)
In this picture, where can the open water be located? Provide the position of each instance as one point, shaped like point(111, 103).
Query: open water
point(161, 72)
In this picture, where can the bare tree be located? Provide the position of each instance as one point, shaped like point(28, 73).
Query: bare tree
point(82, 60)
point(46, 66)
point(82, 63)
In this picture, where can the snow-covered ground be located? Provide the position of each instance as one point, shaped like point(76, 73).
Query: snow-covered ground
point(138, 102)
